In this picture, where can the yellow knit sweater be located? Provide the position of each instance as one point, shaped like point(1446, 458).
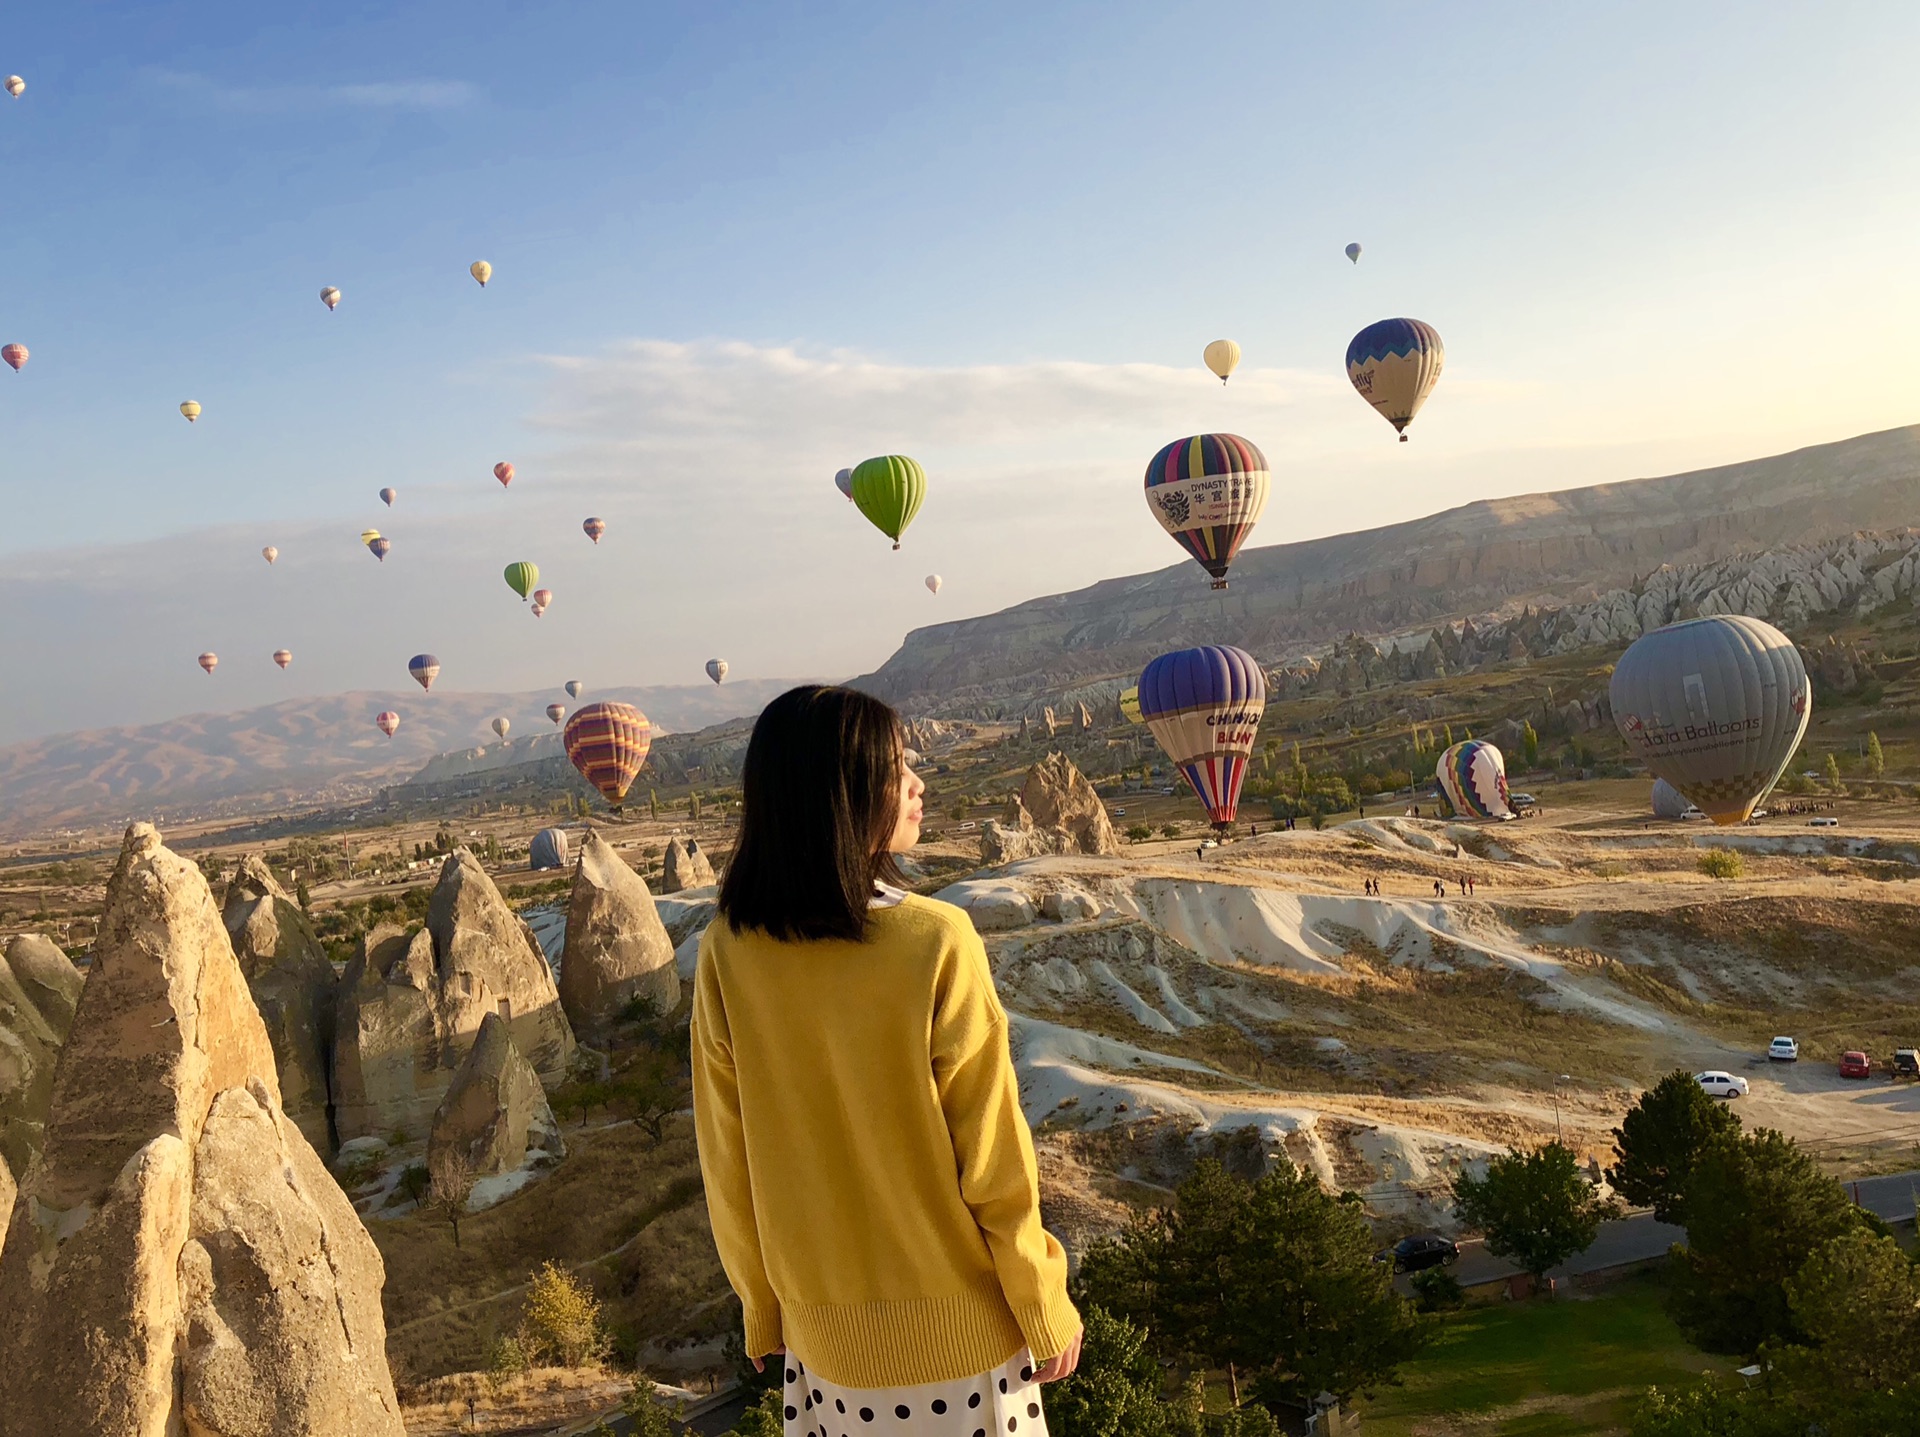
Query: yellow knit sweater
point(869, 1173)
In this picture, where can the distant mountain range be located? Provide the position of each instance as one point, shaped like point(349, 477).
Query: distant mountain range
point(1288, 601)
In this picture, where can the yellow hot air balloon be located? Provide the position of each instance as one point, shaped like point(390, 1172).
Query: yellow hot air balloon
point(191, 410)
point(481, 271)
point(367, 536)
point(1222, 356)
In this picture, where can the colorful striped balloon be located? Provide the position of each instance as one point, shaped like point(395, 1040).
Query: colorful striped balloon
point(1208, 492)
point(556, 712)
point(503, 471)
point(209, 661)
point(425, 668)
point(593, 528)
point(1473, 776)
point(387, 721)
point(1204, 705)
point(608, 743)
point(1394, 365)
point(15, 355)
point(283, 657)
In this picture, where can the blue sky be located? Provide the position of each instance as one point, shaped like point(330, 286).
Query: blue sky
point(737, 246)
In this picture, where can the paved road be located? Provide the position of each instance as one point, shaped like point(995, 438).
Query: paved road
point(1638, 1238)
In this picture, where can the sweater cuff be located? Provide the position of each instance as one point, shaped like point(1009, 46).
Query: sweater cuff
point(762, 1330)
point(1048, 1326)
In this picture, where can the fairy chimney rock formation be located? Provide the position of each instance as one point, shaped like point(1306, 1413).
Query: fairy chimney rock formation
point(1056, 811)
point(29, 1051)
point(617, 949)
point(495, 1114)
point(292, 982)
point(49, 978)
point(184, 1263)
point(685, 866)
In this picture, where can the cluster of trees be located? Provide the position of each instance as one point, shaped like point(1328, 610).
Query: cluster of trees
point(1270, 1281)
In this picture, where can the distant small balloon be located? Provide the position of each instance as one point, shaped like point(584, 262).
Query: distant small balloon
point(501, 725)
point(1222, 357)
point(575, 688)
point(1353, 253)
point(522, 577)
point(367, 536)
point(283, 657)
point(425, 668)
point(269, 553)
point(481, 271)
point(387, 722)
point(717, 669)
point(191, 410)
point(16, 86)
point(209, 661)
point(503, 471)
point(843, 481)
point(387, 496)
point(933, 583)
point(594, 528)
point(330, 297)
point(14, 354)
point(539, 609)
point(380, 548)
point(556, 712)
point(542, 598)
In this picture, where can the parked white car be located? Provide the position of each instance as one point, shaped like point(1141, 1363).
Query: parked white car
point(1783, 1050)
point(1721, 1085)
point(1828, 822)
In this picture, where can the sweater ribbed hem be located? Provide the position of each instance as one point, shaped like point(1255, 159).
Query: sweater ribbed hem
point(761, 1330)
point(905, 1343)
point(1048, 1327)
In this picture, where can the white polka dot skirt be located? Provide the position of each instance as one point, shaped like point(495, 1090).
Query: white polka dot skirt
point(1002, 1403)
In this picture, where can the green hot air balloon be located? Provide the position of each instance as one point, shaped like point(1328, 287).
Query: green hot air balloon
point(521, 577)
point(888, 490)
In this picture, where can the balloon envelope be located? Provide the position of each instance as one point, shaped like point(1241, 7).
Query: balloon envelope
point(1668, 801)
point(1473, 776)
point(889, 491)
point(209, 661)
point(16, 86)
point(425, 668)
point(522, 577)
point(1394, 365)
point(269, 553)
point(14, 354)
point(1208, 492)
point(191, 410)
point(1222, 357)
point(387, 496)
point(501, 725)
point(1716, 707)
point(481, 271)
point(283, 657)
point(575, 688)
point(548, 849)
point(330, 297)
point(716, 669)
point(381, 548)
point(608, 743)
point(542, 598)
point(503, 471)
point(1353, 253)
point(556, 712)
point(1130, 704)
point(1204, 706)
point(934, 581)
point(387, 721)
point(594, 528)
point(843, 481)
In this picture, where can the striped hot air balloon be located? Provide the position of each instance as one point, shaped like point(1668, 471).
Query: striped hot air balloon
point(190, 409)
point(717, 670)
point(522, 577)
point(283, 657)
point(608, 743)
point(425, 668)
point(556, 712)
point(594, 528)
point(503, 471)
point(889, 491)
point(380, 548)
point(1208, 492)
point(1473, 776)
point(330, 297)
point(1204, 706)
point(387, 721)
point(501, 724)
point(209, 661)
point(15, 355)
point(1394, 365)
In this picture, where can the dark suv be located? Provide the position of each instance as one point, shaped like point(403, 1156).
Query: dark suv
point(1416, 1254)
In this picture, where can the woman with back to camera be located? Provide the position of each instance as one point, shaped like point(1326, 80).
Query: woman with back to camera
point(870, 1176)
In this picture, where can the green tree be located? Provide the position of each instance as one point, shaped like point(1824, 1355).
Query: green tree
point(647, 1415)
point(1658, 1140)
point(1876, 760)
point(1834, 785)
point(1857, 1300)
point(1709, 1410)
point(651, 1091)
point(1449, 733)
point(1139, 833)
point(1536, 1208)
point(1170, 830)
point(1115, 1391)
point(653, 803)
point(560, 1319)
point(1530, 744)
point(1757, 1208)
point(765, 1418)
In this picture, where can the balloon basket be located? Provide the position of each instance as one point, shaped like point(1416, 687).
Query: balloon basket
point(1403, 439)
point(896, 546)
point(1219, 583)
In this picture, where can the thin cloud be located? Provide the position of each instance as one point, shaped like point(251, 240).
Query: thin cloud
point(393, 95)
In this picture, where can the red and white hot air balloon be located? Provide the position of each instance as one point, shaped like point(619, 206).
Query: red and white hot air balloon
point(503, 471)
point(14, 354)
point(594, 528)
point(269, 553)
point(387, 722)
point(556, 712)
point(209, 661)
point(283, 657)
point(542, 598)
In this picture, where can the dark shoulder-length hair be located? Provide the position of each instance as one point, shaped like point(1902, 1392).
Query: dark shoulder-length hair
point(820, 797)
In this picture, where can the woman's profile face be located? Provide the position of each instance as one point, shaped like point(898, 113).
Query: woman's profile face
point(906, 828)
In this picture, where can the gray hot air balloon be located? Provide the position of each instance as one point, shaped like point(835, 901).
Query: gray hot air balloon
point(1668, 801)
point(1714, 706)
point(548, 849)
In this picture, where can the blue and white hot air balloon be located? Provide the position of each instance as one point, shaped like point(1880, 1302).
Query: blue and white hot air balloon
point(1473, 776)
point(425, 668)
point(1204, 706)
point(1394, 365)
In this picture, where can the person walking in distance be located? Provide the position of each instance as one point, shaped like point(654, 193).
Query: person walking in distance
point(870, 1177)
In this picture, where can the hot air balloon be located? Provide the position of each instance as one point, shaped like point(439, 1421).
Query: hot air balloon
point(1473, 776)
point(608, 743)
point(381, 548)
point(330, 297)
point(575, 688)
point(425, 668)
point(387, 721)
point(1353, 253)
point(283, 657)
point(209, 661)
point(481, 271)
point(542, 598)
point(16, 86)
point(548, 849)
point(14, 354)
point(843, 481)
point(269, 553)
point(1714, 706)
point(933, 583)
point(556, 712)
point(191, 410)
point(1207, 491)
point(367, 536)
point(521, 577)
point(503, 471)
point(594, 528)
point(1222, 356)
point(717, 669)
point(1668, 801)
point(1130, 704)
point(538, 610)
point(500, 725)
point(1204, 706)
point(888, 490)
point(1394, 365)
point(387, 496)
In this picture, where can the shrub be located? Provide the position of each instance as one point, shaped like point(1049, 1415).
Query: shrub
point(1722, 863)
point(1437, 1290)
point(1139, 833)
point(560, 1323)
